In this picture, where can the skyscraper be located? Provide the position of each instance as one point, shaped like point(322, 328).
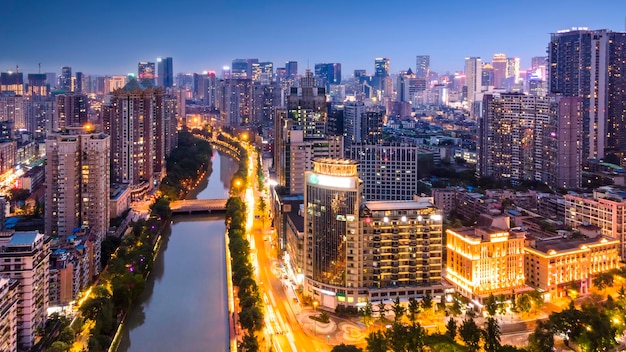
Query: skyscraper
point(473, 77)
point(165, 74)
point(590, 64)
point(306, 106)
point(499, 70)
point(292, 69)
point(78, 83)
point(381, 75)
point(146, 70)
point(131, 120)
point(512, 70)
point(65, 80)
point(327, 74)
point(72, 111)
point(37, 85)
point(239, 68)
point(422, 66)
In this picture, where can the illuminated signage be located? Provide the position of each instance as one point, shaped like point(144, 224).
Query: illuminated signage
point(331, 181)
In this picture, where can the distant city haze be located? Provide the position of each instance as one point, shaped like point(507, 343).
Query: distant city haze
point(110, 37)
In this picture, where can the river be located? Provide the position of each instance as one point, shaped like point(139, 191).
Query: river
point(184, 305)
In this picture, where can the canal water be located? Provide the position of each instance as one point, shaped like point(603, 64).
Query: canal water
point(184, 305)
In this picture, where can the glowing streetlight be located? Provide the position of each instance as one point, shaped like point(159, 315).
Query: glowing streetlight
point(315, 303)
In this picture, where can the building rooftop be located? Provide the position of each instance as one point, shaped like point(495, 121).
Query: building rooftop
point(24, 238)
point(568, 244)
point(397, 205)
point(297, 220)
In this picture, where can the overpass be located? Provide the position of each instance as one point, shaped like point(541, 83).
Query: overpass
point(198, 206)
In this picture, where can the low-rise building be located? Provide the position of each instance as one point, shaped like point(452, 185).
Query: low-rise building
point(119, 201)
point(486, 259)
point(553, 265)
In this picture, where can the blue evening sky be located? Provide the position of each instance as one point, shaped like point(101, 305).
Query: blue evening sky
point(111, 36)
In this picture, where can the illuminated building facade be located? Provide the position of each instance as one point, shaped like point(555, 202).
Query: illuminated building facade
point(498, 63)
point(401, 250)
point(165, 74)
point(12, 82)
point(25, 258)
point(37, 85)
point(422, 66)
point(146, 70)
point(306, 106)
point(332, 200)
point(71, 111)
point(8, 314)
point(486, 259)
point(553, 265)
point(473, 77)
point(12, 109)
point(390, 172)
point(605, 208)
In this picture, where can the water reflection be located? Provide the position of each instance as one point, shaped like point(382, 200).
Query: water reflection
point(184, 307)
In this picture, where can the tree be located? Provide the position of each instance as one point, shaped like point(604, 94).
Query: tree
point(451, 328)
point(251, 319)
point(603, 280)
point(524, 303)
point(67, 335)
point(427, 301)
point(536, 299)
point(470, 333)
point(346, 348)
point(381, 309)
point(58, 346)
point(456, 308)
point(366, 313)
point(376, 342)
point(398, 309)
point(397, 337)
point(501, 304)
point(491, 305)
point(542, 339)
point(621, 293)
point(414, 309)
point(492, 335)
point(249, 343)
point(415, 336)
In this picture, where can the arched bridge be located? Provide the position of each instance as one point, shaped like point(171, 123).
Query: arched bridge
point(198, 206)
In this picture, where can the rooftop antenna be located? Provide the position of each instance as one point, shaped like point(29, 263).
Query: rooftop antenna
point(39, 64)
point(17, 68)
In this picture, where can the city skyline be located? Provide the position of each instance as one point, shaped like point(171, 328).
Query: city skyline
point(215, 34)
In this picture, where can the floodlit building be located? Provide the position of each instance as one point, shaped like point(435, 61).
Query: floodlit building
point(8, 314)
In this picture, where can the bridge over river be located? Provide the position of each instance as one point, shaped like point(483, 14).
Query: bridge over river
point(198, 206)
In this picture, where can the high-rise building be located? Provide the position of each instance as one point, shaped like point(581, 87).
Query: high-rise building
point(71, 110)
point(391, 172)
point(292, 69)
point(422, 66)
point(382, 72)
point(165, 73)
point(477, 275)
point(8, 318)
point(77, 87)
point(77, 187)
point(590, 64)
point(306, 106)
point(332, 202)
point(512, 70)
point(239, 69)
point(262, 72)
point(487, 79)
point(362, 125)
point(236, 101)
point(12, 110)
point(327, 74)
point(146, 70)
point(473, 77)
point(65, 80)
point(511, 133)
point(12, 82)
point(25, 257)
point(499, 70)
point(131, 119)
point(37, 85)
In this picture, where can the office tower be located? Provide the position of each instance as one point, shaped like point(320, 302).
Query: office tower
point(359, 75)
point(130, 119)
point(391, 171)
point(37, 85)
point(165, 74)
point(78, 83)
point(306, 106)
point(539, 66)
point(114, 83)
point(473, 78)
point(511, 133)
point(487, 79)
point(476, 275)
point(422, 66)
point(71, 110)
point(25, 257)
point(281, 74)
point(65, 80)
point(292, 69)
point(146, 70)
point(9, 290)
point(77, 187)
point(605, 208)
point(362, 125)
point(381, 75)
point(512, 70)
point(236, 101)
point(590, 64)
point(332, 200)
point(12, 82)
point(562, 150)
point(401, 248)
point(265, 97)
point(12, 110)
point(52, 79)
point(239, 68)
point(262, 72)
point(328, 74)
point(499, 64)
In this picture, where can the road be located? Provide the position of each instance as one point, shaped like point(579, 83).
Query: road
point(282, 327)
